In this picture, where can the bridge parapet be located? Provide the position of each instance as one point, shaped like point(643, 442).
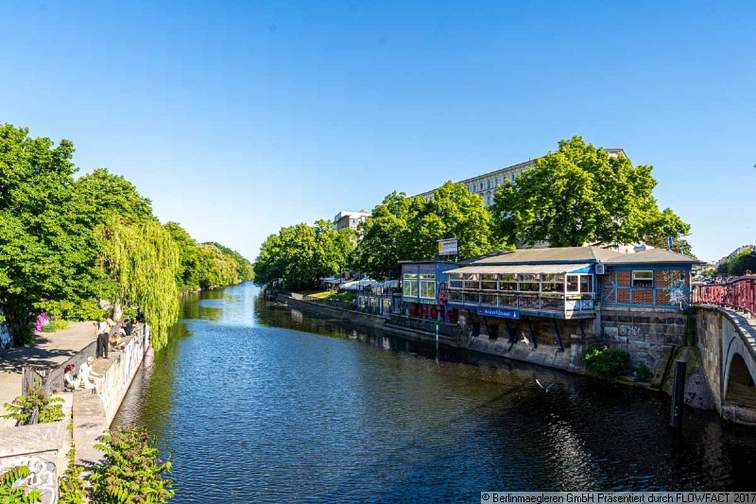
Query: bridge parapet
point(739, 293)
point(727, 341)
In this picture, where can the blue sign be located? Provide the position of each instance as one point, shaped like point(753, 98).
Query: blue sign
point(510, 313)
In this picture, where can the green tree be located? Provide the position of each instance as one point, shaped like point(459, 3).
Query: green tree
point(131, 471)
point(402, 228)
point(384, 237)
point(47, 251)
point(740, 263)
point(580, 194)
point(142, 261)
point(453, 212)
point(299, 256)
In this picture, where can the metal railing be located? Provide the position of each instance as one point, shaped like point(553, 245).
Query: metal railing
point(739, 293)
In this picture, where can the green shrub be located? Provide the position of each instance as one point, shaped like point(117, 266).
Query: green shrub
point(606, 362)
point(643, 373)
point(49, 409)
point(10, 494)
point(71, 486)
point(55, 325)
point(130, 471)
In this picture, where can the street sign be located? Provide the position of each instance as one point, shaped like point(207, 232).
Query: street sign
point(448, 246)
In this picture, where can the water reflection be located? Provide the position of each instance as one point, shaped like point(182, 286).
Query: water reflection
point(262, 403)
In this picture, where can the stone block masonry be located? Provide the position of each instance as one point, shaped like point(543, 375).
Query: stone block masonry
point(93, 413)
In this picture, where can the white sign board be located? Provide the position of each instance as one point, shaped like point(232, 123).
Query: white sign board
point(448, 246)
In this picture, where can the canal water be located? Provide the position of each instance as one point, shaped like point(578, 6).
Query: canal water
point(259, 403)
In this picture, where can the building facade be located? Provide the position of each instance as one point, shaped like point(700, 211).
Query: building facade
point(557, 297)
point(349, 219)
point(485, 185)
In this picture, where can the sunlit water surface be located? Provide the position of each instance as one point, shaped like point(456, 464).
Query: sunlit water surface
point(258, 403)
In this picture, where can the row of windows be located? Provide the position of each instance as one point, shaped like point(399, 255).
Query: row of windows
point(523, 282)
point(419, 285)
point(491, 183)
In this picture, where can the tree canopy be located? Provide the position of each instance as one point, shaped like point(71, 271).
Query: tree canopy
point(299, 256)
point(739, 263)
point(66, 243)
point(402, 228)
point(580, 194)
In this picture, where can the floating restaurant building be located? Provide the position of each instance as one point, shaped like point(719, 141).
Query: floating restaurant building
point(558, 298)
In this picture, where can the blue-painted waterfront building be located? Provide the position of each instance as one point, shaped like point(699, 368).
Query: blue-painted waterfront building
point(425, 289)
point(569, 282)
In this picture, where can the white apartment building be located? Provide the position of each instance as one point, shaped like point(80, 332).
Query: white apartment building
point(349, 219)
point(486, 184)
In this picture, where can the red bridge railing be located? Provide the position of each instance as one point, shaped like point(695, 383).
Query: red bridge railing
point(739, 293)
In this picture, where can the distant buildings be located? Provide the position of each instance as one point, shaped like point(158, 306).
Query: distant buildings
point(486, 184)
point(349, 219)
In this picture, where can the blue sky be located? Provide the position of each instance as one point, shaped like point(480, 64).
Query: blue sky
point(236, 118)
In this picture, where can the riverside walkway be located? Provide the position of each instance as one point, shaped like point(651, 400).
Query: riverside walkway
point(48, 349)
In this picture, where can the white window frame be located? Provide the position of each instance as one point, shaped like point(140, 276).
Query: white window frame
point(632, 281)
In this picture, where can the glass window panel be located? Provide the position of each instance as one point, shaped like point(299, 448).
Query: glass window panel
point(456, 296)
point(489, 299)
point(643, 279)
point(455, 283)
point(471, 298)
point(586, 283)
point(427, 289)
point(552, 287)
point(508, 276)
point(573, 283)
point(508, 286)
point(488, 285)
point(529, 286)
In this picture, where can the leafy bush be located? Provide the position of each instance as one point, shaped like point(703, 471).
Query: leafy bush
point(22, 408)
point(71, 487)
point(131, 470)
point(344, 297)
point(10, 494)
point(55, 325)
point(606, 362)
point(643, 373)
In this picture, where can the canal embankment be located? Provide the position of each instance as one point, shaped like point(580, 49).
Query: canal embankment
point(87, 413)
point(699, 344)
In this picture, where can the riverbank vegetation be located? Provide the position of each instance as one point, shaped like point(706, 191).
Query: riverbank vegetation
point(740, 262)
point(298, 256)
point(69, 246)
point(578, 195)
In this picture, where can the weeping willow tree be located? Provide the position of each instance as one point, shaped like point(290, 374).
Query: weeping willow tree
point(141, 259)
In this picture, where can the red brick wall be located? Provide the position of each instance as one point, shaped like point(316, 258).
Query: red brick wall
point(624, 278)
point(643, 296)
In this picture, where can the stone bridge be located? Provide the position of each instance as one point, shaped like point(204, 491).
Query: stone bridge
point(726, 339)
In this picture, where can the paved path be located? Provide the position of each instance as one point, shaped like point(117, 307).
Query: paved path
point(48, 349)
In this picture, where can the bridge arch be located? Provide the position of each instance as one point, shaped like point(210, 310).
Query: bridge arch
point(739, 375)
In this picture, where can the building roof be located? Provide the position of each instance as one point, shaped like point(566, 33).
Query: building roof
point(653, 256)
point(520, 268)
point(567, 255)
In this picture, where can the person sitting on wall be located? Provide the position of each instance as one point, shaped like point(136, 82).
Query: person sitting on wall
point(87, 375)
point(128, 324)
point(70, 380)
point(116, 341)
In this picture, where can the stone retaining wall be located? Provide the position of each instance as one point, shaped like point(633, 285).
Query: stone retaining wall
point(117, 378)
point(41, 447)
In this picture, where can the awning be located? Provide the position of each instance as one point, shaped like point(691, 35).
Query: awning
point(522, 268)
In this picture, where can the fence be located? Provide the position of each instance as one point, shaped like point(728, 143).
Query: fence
point(739, 293)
